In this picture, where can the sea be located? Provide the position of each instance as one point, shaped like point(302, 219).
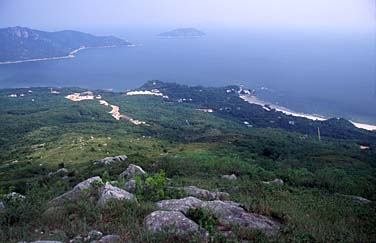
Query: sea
point(332, 74)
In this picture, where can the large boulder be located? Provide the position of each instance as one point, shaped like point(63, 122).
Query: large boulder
point(84, 188)
point(110, 160)
point(132, 171)
point(204, 194)
point(170, 221)
point(109, 192)
point(231, 214)
point(182, 205)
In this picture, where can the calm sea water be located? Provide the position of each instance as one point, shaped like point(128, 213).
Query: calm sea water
point(331, 74)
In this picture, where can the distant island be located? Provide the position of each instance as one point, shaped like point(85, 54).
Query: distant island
point(182, 33)
point(20, 44)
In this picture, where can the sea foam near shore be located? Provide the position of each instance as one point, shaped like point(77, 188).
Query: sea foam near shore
point(254, 100)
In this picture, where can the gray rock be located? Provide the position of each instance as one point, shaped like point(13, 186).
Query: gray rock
point(77, 239)
point(182, 205)
point(2, 206)
point(276, 182)
point(46, 241)
point(108, 239)
point(230, 177)
point(231, 214)
point(110, 160)
point(170, 221)
point(357, 198)
point(132, 171)
point(131, 185)
point(95, 235)
point(14, 196)
point(202, 193)
point(109, 192)
point(84, 188)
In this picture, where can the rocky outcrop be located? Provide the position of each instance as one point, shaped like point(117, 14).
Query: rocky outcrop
point(275, 182)
point(84, 188)
point(204, 194)
point(109, 192)
point(231, 214)
point(132, 171)
point(230, 177)
point(170, 221)
point(110, 160)
point(182, 205)
point(93, 189)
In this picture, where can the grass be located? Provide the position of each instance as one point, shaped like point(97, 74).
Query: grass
point(36, 139)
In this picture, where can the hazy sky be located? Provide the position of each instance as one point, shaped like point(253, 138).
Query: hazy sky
point(281, 14)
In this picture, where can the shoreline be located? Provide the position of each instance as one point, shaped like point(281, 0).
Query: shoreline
point(70, 55)
point(315, 117)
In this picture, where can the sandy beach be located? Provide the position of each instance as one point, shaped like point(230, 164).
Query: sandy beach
point(254, 100)
point(70, 55)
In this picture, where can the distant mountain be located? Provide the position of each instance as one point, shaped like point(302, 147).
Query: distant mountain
point(20, 43)
point(182, 33)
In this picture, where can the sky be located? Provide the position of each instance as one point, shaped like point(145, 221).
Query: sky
point(348, 15)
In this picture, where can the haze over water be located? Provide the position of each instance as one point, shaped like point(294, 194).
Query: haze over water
point(331, 74)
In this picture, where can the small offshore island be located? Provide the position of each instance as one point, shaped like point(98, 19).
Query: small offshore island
point(182, 33)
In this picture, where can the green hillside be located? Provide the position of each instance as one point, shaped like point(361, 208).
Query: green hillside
point(181, 145)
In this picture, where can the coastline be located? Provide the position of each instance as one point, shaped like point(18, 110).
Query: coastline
point(265, 105)
point(70, 55)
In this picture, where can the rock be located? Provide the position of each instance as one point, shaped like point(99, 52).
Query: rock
point(230, 177)
point(2, 206)
point(109, 192)
point(132, 171)
point(276, 182)
point(180, 204)
point(202, 193)
point(231, 214)
point(14, 196)
point(357, 198)
point(95, 235)
point(130, 185)
point(77, 239)
point(84, 188)
point(108, 239)
point(62, 171)
point(110, 160)
point(171, 221)
point(46, 241)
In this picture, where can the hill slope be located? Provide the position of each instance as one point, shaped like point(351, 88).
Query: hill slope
point(19, 43)
point(181, 143)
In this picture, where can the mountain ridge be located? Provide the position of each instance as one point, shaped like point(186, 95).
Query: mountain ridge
point(22, 43)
